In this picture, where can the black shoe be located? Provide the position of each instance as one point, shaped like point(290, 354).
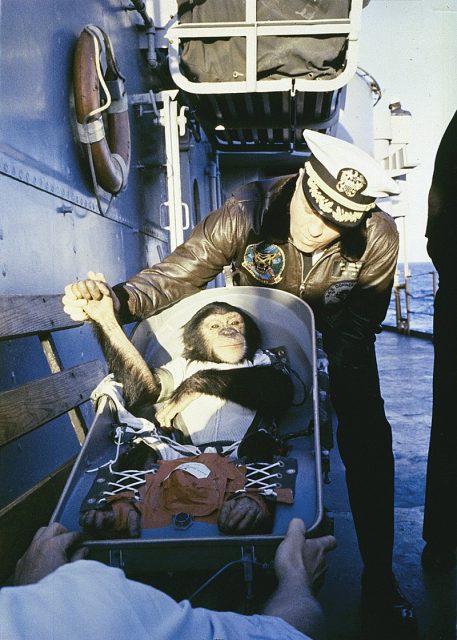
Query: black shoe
point(438, 558)
point(386, 612)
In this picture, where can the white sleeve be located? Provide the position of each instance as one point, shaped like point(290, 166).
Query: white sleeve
point(171, 375)
point(86, 600)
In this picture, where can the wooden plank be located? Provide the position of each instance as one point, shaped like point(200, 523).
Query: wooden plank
point(55, 364)
point(26, 315)
point(35, 403)
point(20, 520)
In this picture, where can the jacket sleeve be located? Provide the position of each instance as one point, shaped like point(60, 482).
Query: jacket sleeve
point(211, 246)
point(349, 337)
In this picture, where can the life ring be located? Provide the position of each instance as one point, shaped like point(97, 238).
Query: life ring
point(108, 155)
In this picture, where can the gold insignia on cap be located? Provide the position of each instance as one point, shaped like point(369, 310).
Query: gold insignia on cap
point(331, 201)
point(350, 182)
point(328, 206)
point(342, 215)
point(324, 203)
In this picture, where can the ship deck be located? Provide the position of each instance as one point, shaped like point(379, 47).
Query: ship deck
point(406, 367)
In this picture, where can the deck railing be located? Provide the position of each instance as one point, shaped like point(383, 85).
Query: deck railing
point(404, 300)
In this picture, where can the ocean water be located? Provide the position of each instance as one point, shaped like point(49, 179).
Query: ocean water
point(420, 295)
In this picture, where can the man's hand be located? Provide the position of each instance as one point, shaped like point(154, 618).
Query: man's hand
point(300, 566)
point(299, 555)
point(49, 550)
point(78, 294)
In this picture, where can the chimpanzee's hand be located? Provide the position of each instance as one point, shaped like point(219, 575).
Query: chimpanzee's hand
point(78, 294)
point(120, 519)
point(102, 312)
point(48, 551)
point(243, 516)
point(177, 402)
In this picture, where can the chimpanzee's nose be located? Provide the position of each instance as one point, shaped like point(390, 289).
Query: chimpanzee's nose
point(228, 331)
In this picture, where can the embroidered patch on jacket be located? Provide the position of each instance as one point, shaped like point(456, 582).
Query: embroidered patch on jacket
point(265, 262)
point(345, 269)
point(338, 292)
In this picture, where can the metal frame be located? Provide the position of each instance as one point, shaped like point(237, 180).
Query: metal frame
point(173, 125)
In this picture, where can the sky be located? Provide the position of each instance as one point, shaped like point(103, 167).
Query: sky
point(410, 47)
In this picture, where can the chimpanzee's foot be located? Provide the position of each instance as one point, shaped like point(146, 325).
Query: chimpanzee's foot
point(244, 515)
point(118, 520)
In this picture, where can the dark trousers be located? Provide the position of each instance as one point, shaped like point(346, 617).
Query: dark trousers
point(440, 516)
point(365, 444)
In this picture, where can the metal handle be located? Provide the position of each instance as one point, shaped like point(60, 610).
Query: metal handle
point(162, 218)
point(186, 223)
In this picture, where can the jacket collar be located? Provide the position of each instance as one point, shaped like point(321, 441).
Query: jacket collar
point(276, 215)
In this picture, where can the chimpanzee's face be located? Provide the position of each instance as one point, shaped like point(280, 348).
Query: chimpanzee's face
point(224, 335)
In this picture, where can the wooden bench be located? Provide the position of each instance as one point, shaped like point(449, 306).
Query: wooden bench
point(34, 404)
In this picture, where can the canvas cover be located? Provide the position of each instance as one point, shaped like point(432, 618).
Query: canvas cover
point(223, 60)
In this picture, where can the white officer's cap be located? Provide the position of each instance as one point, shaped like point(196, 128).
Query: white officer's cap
point(341, 181)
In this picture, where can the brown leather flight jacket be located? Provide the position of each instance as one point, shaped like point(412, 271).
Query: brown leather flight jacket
point(349, 296)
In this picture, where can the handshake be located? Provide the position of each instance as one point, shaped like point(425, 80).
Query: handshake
point(91, 299)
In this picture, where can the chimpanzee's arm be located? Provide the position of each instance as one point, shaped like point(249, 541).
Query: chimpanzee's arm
point(265, 388)
point(141, 385)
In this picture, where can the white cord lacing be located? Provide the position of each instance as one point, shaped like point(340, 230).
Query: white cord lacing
point(260, 474)
point(137, 479)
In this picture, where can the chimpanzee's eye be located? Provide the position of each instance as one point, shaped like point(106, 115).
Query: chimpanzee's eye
point(215, 326)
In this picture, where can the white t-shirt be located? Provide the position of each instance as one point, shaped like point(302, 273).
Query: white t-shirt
point(86, 600)
point(209, 418)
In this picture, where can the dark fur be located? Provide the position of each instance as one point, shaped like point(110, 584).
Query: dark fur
point(262, 388)
point(133, 384)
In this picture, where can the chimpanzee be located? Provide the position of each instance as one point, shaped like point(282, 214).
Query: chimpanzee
point(211, 393)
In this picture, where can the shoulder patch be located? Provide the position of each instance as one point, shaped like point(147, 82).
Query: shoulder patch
point(265, 262)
